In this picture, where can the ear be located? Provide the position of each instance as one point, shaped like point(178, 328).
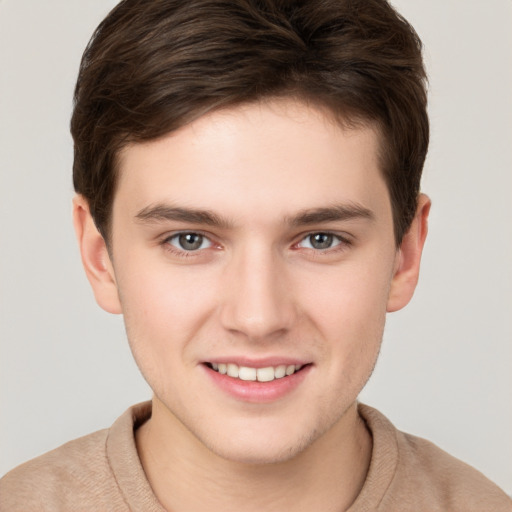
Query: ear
point(95, 257)
point(407, 267)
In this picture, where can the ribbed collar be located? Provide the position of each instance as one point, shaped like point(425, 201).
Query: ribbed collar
point(383, 463)
point(125, 463)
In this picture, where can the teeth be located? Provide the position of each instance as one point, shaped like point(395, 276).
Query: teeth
point(267, 374)
point(233, 370)
point(245, 373)
point(280, 371)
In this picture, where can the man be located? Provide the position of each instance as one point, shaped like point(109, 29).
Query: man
point(247, 178)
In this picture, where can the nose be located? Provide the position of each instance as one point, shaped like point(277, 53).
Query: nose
point(258, 300)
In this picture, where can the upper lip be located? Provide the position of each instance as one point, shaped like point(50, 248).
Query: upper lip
point(259, 362)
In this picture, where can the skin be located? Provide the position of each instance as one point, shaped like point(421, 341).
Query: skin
point(255, 289)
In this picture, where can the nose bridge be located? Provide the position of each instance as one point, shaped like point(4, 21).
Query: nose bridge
point(257, 303)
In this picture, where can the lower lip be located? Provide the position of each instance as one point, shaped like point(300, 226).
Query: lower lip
point(258, 392)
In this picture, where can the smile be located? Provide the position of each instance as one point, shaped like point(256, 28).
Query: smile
point(246, 373)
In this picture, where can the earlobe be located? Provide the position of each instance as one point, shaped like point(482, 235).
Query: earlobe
point(407, 268)
point(95, 257)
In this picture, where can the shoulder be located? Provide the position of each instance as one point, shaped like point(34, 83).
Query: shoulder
point(61, 478)
point(429, 471)
point(100, 471)
point(414, 474)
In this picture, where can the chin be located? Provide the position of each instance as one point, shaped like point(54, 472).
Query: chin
point(260, 454)
point(261, 446)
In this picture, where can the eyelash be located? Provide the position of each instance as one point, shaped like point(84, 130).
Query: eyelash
point(343, 244)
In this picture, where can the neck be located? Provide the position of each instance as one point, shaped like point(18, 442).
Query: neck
point(185, 475)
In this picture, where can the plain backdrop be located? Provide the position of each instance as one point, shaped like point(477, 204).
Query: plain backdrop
point(445, 368)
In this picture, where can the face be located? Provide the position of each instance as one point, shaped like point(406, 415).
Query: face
point(256, 241)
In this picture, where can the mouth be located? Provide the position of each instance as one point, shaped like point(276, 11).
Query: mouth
point(247, 373)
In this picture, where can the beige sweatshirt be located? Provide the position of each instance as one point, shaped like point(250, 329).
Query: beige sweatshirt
point(102, 472)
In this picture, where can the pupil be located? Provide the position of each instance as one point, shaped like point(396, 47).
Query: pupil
point(321, 241)
point(191, 241)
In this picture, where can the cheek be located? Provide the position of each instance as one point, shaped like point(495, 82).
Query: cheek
point(348, 308)
point(163, 309)
point(349, 299)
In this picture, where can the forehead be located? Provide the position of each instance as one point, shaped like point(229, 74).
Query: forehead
point(266, 158)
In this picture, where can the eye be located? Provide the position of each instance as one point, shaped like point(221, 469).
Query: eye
point(320, 241)
point(189, 241)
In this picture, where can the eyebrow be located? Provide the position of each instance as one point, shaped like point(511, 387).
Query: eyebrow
point(163, 212)
point(331, 214)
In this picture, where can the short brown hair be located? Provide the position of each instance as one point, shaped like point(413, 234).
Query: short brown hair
point(153, 66)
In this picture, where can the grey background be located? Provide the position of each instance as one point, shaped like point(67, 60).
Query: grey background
point(445, 369)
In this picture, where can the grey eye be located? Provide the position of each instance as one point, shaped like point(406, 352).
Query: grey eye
point(189, 241)
point(320, 241)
